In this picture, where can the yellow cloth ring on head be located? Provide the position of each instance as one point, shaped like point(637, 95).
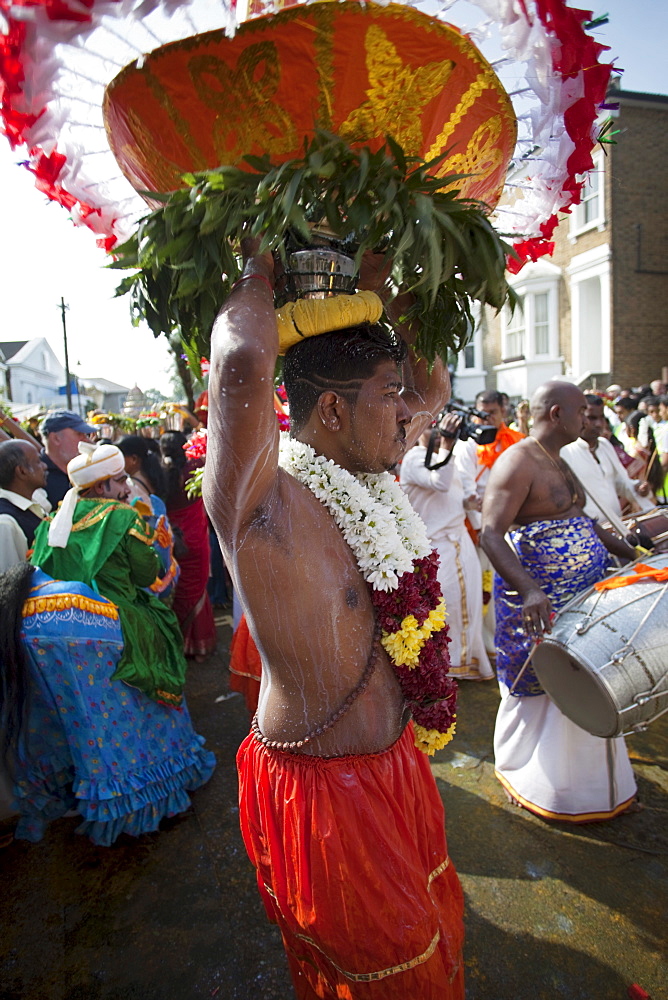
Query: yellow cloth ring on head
point(310, 317)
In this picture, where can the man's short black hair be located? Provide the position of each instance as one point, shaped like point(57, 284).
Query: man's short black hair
point(337, 361)
point(12, 455)
point(626, 403)
point(593, 400)
point(492, 398)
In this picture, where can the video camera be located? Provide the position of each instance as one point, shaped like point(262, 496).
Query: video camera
point(465, 431)
point(480, 433)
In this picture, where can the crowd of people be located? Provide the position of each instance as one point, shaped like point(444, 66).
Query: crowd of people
point(157, 471)
point(101, 526)
point(545, 547)
point(105, 555)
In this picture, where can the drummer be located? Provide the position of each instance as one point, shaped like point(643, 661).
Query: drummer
point(544, 761)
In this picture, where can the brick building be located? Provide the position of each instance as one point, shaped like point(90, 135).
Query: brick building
point(596, 312)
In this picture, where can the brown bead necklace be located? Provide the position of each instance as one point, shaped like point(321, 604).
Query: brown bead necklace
point(575, 498)
point(296, 745)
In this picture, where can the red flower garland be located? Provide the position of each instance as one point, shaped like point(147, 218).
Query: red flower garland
point(430, 692)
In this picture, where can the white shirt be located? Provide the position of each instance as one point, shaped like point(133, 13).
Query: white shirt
point(606, 479)
point(661, 436)
point(13, 542)
point(466, 460)
point(628, 443)
point(437, 495)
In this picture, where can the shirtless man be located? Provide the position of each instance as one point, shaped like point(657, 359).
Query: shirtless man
point(544, 761)
point(324, 823)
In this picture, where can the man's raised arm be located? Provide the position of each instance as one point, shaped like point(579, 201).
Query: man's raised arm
point(242, 448)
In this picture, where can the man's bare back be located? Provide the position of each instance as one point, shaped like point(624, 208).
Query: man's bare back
point(308, 607)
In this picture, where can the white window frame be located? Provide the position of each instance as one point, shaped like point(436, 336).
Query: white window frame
point(470, 381)
point(541, 278)
point(476, 344)
point(593, 263)
point(578, 223)
point(514, 325)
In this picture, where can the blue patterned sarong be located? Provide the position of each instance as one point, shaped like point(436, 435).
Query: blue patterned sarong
point(564, 558)
point(93, 744)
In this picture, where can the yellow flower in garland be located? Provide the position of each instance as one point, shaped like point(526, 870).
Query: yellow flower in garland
point(403, 646)
point(487, 585)
point(430, 740)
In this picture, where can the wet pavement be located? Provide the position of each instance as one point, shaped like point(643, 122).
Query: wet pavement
point(552, 911)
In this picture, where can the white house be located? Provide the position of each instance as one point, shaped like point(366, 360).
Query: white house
point(107, 396)
point(33, 374)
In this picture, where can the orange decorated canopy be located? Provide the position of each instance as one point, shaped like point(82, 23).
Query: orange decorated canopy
point(361, 72)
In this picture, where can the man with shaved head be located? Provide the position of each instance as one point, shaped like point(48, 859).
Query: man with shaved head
point(544, 761)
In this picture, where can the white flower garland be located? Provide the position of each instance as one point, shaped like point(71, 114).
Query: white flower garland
point(372, 511)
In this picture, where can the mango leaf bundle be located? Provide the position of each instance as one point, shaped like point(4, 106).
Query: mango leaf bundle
point(440, 246)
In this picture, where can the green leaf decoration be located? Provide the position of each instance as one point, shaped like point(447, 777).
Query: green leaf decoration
point(440, 246)
point(193, 485)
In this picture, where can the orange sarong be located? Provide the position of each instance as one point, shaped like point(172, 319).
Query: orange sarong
point(352, 865)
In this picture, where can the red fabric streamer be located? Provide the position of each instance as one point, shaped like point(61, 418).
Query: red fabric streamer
point(59, 10)
point(528, 250)
point(576, 53)
point(47, 169)
point(11, 66)
point(106, 243)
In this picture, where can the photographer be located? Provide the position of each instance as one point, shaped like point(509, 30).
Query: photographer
point(442, 494)
point(491, 407)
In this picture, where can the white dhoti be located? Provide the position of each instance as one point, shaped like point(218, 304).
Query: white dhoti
point(544, 760)
point(461, 582)
point(438, 497)
point(554, 768)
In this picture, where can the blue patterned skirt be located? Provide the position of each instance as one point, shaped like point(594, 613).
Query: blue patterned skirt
point(93, 744)
point(564, 558)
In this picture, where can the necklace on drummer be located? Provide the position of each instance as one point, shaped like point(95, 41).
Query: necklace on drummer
point(571, 486)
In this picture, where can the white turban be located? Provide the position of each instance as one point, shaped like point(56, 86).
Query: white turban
point(94, 463)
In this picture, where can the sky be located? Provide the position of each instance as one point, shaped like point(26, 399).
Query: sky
point(44, 257)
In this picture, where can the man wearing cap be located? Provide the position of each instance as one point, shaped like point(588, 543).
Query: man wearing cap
point(62, 431)
point(97, 538)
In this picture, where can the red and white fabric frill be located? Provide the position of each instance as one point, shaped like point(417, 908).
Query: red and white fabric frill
point(57, 56)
